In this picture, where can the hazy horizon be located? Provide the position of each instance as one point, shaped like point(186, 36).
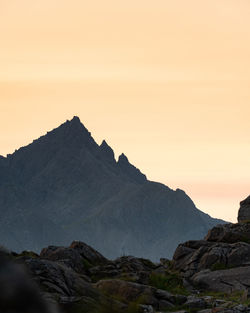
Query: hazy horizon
point(165, 82)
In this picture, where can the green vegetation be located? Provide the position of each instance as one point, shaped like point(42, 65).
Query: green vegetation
point(183, 307)
point(87, 264)
point(104, 306)
point(126, 277)
point(239, 297)
point(219, 266)
point(29, 254)
point(170, 281)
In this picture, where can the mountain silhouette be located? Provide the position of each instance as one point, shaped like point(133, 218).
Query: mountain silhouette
point(64, 187)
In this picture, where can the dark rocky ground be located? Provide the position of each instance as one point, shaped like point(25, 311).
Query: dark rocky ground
point(205, 276)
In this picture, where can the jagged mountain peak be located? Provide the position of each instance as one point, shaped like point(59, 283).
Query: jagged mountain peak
point(130, 170)
point(65, 186)
point(71, 135)
point(123, 159)
point(74, 125)
point(107, 151)
point(75, 119)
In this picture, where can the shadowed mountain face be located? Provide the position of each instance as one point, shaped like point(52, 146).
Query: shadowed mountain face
point(64, 186)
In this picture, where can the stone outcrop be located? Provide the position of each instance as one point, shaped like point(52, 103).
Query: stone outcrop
point(244, 211)
point(220, 262)
point(18, 292)
point(228, 280)
point(194, 256)
point(62, 284)
point(229, 233)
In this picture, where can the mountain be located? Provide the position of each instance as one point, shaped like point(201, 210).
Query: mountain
point(64, 186)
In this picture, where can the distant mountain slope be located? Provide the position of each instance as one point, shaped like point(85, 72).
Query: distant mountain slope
point(64, 186)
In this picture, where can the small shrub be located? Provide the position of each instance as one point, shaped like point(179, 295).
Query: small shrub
point(220, 266)
point(87, 264)
point(170, 281)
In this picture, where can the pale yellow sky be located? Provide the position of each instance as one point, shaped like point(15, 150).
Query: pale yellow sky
point(167, 82)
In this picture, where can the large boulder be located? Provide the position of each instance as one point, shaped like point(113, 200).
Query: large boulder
point(244, 211)
point(62, 284)
point(194, 256)
point(78, 256)
point(226, 281)
point(67, 256)
point(88, 253)
point(18, 292)
point(230, 233)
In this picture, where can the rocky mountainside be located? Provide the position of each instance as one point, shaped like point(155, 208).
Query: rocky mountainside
point(64, 186)
point(205, 276)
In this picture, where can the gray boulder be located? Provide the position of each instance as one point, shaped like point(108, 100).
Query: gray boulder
point(195, 256)
point(79, 256)
point(226, 281)
point(63, 284)
point(19, 294)
point(229, 233)
point(67, 256)
point(88, 253)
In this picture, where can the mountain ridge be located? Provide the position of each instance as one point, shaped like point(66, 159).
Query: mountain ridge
point(70, 187)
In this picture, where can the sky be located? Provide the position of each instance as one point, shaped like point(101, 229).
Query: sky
point(166, 82)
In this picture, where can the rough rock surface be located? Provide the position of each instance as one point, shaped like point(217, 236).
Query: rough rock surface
point(220, 262)
point(230, 233)
point(244, 211)
point(79, 256)
point(66, 287)
point(229, 281)
point(194, 256)
point(19, 294)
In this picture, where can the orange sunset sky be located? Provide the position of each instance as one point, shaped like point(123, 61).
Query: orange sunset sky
point(167, 82)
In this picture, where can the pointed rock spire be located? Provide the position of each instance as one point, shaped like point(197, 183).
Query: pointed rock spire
point(130, 170)
point(123, 159)
point(76, 130)
point(106, 151)
point(76, 124)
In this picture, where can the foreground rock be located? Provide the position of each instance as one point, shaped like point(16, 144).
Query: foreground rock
point(229, 233)
point(229, 281)
point(78, 279)
point(194, 256)
point(220, 262)
point(19, 294)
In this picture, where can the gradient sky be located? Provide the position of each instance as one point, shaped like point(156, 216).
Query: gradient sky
point(167, 82)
